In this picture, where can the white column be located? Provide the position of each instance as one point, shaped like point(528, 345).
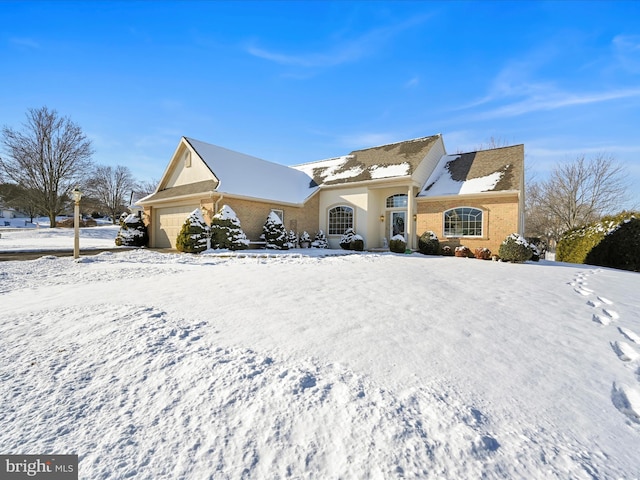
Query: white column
point(410, 225)
point(76, 230)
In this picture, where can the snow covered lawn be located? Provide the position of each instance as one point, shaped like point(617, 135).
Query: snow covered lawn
point(152, 365)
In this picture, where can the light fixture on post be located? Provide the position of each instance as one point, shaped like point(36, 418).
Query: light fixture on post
point(77, 195)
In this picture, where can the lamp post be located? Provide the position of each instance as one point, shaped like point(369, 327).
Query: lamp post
point(77, 195)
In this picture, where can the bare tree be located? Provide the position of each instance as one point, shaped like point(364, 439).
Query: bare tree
point(111, 188)
point(48, 157)
point(146, 187)
point(577, 192)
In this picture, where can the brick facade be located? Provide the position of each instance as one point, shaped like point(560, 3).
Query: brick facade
point(499, 220)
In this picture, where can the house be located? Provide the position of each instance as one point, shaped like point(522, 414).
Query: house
point(405, 188)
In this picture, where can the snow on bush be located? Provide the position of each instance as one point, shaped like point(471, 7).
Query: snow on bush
point(292, 239)
point(226, 231)
point(482, 253)
point(463, 251)
point(320, 240)
point(133, 232)
point(515, 248)
point(274, 234)
point(345, 240)
point(428, 244)
point(397, 244)
point(193, 234)
point(304, 238)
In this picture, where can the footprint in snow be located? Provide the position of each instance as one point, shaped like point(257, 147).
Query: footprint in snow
point(612, 314)
point(605, 300)
point(631, 335)
point(594, 303)
point(627, 401)
point(583, 291)
point(625, 352)
point(601, 319)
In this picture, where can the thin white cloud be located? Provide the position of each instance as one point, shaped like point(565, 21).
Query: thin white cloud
point(627, 51)
point(345, 52)
point(413, 82)
point(24, 42)
point(557, 100)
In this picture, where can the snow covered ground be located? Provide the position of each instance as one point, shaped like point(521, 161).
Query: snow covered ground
point(151, 365)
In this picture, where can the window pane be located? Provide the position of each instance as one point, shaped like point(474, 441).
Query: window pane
point(395, 201)
point(340, 218)
point(463, 222)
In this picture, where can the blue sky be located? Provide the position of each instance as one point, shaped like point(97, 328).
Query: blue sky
point(293, 82)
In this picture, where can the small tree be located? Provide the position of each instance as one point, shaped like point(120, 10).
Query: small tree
point(48, 158)
point(111, 188)
point(274, 233)
point(132, 233)
point(320, 241)
point(193, 234)
point(226, 231)
point(347, 237)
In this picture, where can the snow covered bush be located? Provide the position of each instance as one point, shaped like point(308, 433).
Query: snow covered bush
point(483, 253)
point(305, 240)
point(193, 234)
point(345, 241)
point(446, 251)
point(274, 234)
point(132, 233)
point(292, 239)
point(357, 243)
point(397, 244)
point(428, 244)
point(226, 230)
point(320, 240)
point(515, 249)
point(576, 245)
point(462, 251)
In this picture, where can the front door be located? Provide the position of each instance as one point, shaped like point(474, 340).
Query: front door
point(398, 224)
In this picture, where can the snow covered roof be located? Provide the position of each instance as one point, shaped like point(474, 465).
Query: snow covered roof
point(385, 161)
point(495, 170)
point(244, 175)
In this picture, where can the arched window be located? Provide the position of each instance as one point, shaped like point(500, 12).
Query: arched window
point(340, 218)
point(463, 222)
point(395, 201)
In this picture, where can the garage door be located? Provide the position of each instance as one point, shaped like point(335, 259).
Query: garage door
point(168, 222)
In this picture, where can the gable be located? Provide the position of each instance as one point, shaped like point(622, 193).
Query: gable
point(251, 177)
point(496, 170)
point(387, 161)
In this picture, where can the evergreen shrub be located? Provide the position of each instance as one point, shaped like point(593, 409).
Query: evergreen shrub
point(320, 240)
point(193, 234)
point(620, 247)
point(515, 248)
point(357, 243)
point(428, 243)
point(226, 231)
point(132, 233)
point(397, 244)
point(462, 251)
point(274, 234)
point(483, 253)
point(345, 241)
point(575, 245)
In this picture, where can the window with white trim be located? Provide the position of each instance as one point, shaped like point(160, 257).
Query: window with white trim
point(279, 213)
point(340, 218)
point(397, 201)
point(463, 222)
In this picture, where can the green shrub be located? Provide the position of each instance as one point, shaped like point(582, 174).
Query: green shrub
point(347, 237)
point(397, 244)
point(575, 245)
point(274, 233)
point(132, 233)
point(515, 249)
point(447, 251)
point(357, 243)
point(428, 244)
point(482, 253)
point(193, 234)
point(320, 240)
point(226, 231)
point(620, 248)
